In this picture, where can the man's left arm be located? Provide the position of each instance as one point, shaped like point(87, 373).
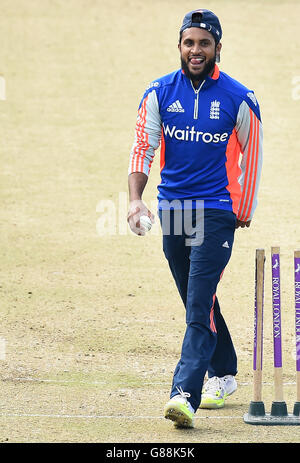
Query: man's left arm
point(250, 136)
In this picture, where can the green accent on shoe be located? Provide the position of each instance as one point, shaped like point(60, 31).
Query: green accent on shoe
point(179, 413)
point(216, 390)
point(208, 402)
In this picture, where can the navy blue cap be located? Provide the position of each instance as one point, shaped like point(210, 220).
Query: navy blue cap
point(204, 19)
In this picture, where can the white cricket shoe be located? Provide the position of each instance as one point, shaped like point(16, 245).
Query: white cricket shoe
point(179, 410)
point(216, 390)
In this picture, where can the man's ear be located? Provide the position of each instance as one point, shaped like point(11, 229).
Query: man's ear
point(218, 52)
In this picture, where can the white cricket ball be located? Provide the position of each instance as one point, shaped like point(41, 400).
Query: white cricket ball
point(146, 222)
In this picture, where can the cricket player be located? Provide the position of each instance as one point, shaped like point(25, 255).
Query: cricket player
point(209, 128)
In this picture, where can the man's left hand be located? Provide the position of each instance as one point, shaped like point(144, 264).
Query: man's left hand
point(241, 224)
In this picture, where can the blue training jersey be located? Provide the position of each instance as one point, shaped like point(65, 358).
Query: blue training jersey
point(210, 138)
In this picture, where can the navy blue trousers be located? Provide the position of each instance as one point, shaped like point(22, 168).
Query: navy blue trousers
point(207, 345)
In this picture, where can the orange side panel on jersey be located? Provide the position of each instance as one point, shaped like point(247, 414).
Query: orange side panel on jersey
point(255, 162)
point(249, 164)
point(162, 151)
point(233, 170)
point(251, 168)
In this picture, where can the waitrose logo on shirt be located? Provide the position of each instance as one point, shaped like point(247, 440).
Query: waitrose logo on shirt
point(190, 134)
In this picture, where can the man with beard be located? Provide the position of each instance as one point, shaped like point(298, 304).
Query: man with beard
point(210, 132)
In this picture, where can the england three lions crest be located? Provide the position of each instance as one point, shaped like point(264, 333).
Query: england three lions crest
point(214, 110)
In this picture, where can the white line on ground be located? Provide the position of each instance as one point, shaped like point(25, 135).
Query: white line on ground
point(63, 381)
point(41, 380)
point(120, 417)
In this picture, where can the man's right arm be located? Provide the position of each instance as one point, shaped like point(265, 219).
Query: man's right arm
point(136, 185)
point(147, 134)
point(147, 140)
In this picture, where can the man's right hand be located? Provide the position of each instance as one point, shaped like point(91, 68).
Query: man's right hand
point(136, 209)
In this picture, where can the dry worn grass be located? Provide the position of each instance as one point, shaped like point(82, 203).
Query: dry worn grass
point(92, 326)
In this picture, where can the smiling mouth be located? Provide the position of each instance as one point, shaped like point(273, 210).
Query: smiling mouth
point(197, 60)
